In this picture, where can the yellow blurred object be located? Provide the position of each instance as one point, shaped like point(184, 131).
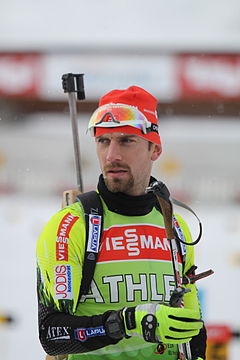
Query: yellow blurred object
point(235, 259)
point(4, 319)
point(219, 337)
point(3, 159)
point(217, 351)
point(170, 166)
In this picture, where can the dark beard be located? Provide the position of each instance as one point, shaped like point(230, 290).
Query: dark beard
point(117, 185)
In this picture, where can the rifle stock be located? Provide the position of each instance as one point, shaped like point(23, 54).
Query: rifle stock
point(69, 197)
point(58, 357)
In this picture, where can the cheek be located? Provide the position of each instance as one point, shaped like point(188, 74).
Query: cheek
point(99, 155)
point(100, 159)
point(142, 162)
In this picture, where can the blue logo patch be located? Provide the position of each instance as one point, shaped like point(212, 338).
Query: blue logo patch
point(94, 233)
point(86, 333)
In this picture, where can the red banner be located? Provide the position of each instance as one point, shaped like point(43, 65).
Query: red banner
point(209, 76)
point(20, 75)
point(219, 333)
point(183, 77)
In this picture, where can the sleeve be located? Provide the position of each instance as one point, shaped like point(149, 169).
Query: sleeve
point(198, 343)
point(60, 254)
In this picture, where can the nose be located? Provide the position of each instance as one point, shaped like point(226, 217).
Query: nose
point(113, 152)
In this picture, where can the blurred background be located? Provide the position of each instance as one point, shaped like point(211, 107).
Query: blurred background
point(187, 54)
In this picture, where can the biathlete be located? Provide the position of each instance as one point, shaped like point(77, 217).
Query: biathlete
point(125, 313)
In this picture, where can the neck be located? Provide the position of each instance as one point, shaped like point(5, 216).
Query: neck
point(127, 204)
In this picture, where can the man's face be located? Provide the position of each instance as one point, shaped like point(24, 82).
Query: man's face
point(126, 162)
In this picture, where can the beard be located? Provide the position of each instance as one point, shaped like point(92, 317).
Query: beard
point(119, 185)
point(124, 185)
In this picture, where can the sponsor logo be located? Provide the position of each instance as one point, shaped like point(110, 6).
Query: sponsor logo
point(84, 334)
point(134, 242)
point(108, 117)
point(62, 236)
point(63, 282)
point(180, 235)
point(58, 333)
point(95, 220)
point(94, 233)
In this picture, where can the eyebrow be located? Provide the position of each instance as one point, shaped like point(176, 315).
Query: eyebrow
point(121, 136)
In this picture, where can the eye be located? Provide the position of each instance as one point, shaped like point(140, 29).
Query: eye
point(127, 140)
point(102, 140)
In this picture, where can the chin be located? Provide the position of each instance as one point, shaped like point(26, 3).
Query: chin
point(114, 185)
point(119, 185)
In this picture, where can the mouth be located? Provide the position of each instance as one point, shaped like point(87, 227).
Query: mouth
point(116, 172)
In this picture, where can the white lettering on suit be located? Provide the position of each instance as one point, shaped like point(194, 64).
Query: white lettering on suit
point(132, 288)
point(113, 282)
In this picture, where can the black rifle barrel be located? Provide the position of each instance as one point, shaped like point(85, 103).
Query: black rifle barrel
point(73, 83)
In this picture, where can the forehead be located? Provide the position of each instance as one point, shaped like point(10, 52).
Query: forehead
point(119, 135)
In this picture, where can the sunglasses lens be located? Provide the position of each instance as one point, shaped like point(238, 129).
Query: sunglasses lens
point(118, 115)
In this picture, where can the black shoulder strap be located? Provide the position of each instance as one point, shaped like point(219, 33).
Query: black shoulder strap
point(93, 212)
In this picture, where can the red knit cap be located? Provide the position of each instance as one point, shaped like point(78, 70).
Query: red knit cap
point(142, 100)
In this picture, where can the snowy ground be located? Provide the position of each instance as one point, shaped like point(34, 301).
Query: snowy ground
point(21, 222)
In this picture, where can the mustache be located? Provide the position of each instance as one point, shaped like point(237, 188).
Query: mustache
point(115, 166)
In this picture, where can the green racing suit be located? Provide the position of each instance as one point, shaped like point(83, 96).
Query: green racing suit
point(133, 267)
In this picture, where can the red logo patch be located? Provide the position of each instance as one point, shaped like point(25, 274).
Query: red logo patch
point(80, 334)
point(62, 236)
point(95, 220)
point(135, 242)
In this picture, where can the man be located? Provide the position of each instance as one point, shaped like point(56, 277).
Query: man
point(133, 278)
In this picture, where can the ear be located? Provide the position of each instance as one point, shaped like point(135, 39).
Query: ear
point(156, 152)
